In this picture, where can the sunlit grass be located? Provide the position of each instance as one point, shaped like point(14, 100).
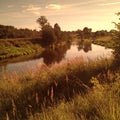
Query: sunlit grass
point(15, 48)
point(101, 103)
point(24, 96)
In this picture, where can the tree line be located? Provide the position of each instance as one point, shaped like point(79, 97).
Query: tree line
point(48, 33)
point(87, 33)
point(12, 32)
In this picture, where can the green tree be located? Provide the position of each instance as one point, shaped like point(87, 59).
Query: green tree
point(12, 32)
point(42, 21)
point(87, 32)
point(57, 31)
point(80, 34)
point(117, 42)
point(48, 35)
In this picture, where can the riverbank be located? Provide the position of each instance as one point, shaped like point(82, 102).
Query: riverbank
point(11, 48)
point(101, 103)
point(24, 96)
point(105, 41)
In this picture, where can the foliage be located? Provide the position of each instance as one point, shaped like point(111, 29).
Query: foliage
point(19, 47)
point(105, 41)
point(65, 36)
point(57, 31)
point(12, 32)
point(48, 35)
point(51, 36)
point(80, 34)
point(101, 33)
point(87, 32)
point(117, 42)
point(101, 103)
point(42, 21)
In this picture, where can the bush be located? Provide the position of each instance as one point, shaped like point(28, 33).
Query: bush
point(48, 35)
point(117, 43)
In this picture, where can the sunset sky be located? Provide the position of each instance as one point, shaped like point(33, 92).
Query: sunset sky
point(69, 14)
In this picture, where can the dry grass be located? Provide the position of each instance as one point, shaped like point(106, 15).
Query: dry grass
point(101, 103)
point(22, 97)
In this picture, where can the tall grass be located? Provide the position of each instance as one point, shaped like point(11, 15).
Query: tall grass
point(21, 97)
point(101, 103)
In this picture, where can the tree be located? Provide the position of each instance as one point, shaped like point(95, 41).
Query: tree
point(117, 42)
point(12, 32)
point(48, 35)
point(57, 31)
point(47, 32)
point(42, 21)
point(80, 34)
point(101, 33)
point(87, 32)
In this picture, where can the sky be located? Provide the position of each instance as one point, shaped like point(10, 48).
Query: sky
point(69, 14)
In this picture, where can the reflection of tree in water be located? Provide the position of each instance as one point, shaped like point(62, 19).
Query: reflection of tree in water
point(80, 45)
point(3, 70)
point(86, 46)
point(51, 56)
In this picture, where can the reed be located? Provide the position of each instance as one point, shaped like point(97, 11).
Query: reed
point(101, 103)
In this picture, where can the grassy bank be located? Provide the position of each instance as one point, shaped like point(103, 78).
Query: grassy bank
point(24, 96)
point(18, 47)
point(104, 41)
point(101, 103)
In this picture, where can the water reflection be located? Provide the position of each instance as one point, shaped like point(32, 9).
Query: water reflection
point(3, 69)
point(86, 46)
point(50, 56)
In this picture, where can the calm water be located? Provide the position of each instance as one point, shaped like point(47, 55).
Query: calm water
point(56, 56)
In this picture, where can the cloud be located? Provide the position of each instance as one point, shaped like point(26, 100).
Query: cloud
point(54, 6)
point(10, 6)
point(32, 9)
point(112, 3)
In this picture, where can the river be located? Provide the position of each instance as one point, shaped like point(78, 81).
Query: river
point(55, 56)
